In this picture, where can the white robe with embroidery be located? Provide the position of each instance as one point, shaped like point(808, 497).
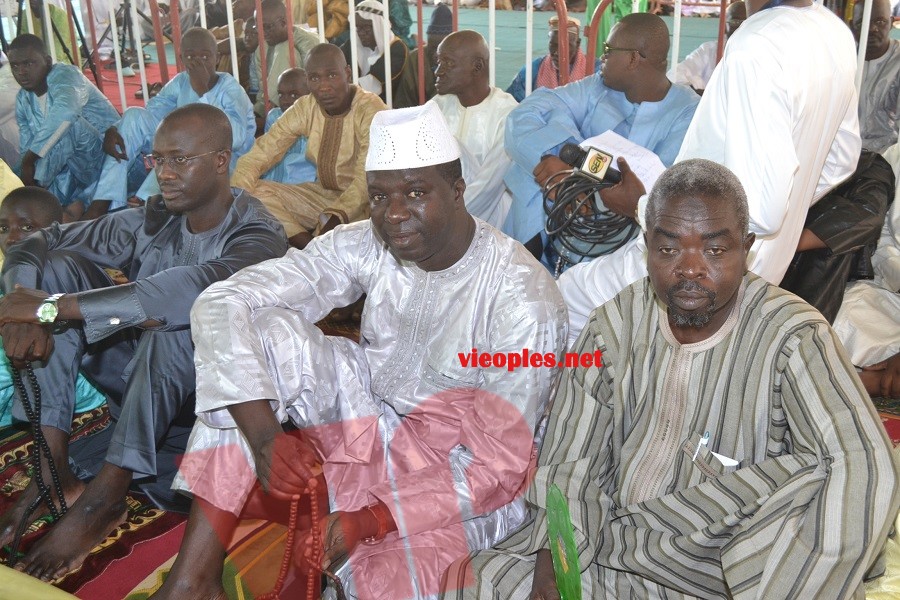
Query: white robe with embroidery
point(398, 417)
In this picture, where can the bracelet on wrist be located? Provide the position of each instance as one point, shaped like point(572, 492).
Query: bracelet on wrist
point(381, 520)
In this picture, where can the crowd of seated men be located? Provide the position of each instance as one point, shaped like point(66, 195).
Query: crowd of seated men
point(173, 262)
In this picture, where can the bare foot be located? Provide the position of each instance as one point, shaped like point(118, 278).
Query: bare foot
point(177, 588)
point(9, 521)
point(197, 571)
point(68, 544)
point(100, 509)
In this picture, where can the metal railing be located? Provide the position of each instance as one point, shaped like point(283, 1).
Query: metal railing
point(590, 30)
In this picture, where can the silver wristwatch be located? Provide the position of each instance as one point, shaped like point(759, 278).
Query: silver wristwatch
point(48, 310)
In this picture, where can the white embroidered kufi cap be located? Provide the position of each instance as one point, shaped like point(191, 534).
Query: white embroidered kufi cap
point(410, 138)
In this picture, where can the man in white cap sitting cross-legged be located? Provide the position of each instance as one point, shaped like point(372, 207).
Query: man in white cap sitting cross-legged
point(422, 447)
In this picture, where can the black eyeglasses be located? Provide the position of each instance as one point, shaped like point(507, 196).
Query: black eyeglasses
point(153, 161)
point(607, 49)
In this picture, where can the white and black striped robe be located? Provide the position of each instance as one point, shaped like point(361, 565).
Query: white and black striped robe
point(803, 514)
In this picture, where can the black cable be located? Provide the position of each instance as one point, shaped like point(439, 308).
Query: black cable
point(63, 44)
point(41, 447)
point(84, 45)
point(579, 224)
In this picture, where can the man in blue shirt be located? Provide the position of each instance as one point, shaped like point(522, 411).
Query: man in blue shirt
point(61, 117)
point(630, 96)
point(293, 167)
point(130, 138)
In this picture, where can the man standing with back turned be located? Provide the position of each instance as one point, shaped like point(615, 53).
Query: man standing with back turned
point(779, 112)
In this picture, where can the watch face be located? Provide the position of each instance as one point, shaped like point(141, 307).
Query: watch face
point(47, 312)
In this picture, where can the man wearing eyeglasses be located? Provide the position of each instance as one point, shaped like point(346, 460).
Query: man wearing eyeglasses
point(879, 96)
point(133, 340)
point(130, 138)
point(696, 69)
point(631, 96)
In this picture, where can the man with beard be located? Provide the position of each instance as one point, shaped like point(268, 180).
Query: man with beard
point(631, 96)
point(722, 448)
point(372, 47)
point(879, 97)
point(63, 313)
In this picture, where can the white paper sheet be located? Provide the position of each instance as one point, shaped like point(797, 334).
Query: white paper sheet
point(645, 164)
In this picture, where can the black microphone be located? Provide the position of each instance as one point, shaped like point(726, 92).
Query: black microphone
point(591, 162)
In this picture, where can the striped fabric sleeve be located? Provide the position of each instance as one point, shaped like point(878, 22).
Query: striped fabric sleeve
point(839, 520)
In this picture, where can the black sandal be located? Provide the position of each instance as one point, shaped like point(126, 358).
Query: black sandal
point(153, 89)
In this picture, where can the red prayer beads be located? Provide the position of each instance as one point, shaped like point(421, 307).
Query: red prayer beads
point(315, 559)
point(318, 547)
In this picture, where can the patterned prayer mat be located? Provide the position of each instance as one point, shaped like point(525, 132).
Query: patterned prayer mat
point(254, 559)
point(889, 410)
point(892, 425)
point(133, 560)
point(145, 522)
point(887, 406)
